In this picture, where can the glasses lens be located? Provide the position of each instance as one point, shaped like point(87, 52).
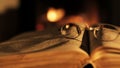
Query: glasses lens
point(109, 32)
point(70, 30)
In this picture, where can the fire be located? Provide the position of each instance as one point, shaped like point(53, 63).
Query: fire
point(54, 15)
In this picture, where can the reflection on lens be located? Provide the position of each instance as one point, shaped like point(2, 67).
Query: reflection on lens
point(109, 32)
point(70, 30)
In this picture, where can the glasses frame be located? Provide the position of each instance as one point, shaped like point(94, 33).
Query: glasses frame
point(93, 28)
point(101, 26)
point(79, 30)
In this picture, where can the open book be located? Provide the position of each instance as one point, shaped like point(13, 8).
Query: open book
point(102, 57)
point(37, 50)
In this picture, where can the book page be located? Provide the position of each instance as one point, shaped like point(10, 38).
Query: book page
point(106, 57)
point(108, 54)
point(45, 59)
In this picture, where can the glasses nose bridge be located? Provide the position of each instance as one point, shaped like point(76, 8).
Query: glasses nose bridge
point(93, 29)
point(80, 28)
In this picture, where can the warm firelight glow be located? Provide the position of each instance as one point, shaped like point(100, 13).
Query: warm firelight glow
point(54, 15)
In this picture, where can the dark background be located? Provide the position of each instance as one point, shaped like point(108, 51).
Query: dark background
point(23, 19)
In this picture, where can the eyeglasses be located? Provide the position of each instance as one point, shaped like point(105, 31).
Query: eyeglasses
point(107, 32)
point(72, 31)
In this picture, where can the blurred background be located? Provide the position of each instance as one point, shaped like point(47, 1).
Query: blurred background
point(18, 16)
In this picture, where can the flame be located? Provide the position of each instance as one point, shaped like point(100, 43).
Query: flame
point(54, 15)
